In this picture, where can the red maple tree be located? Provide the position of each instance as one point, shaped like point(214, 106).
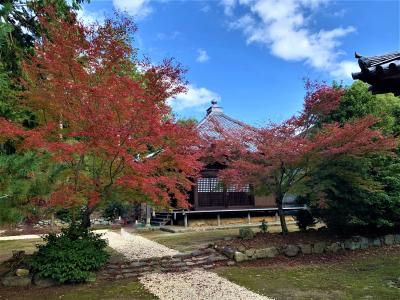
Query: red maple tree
point(279, 157)
point(103, 115)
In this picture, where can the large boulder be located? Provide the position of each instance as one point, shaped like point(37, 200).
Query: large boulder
point(319, 247)
point(363, 242)
point(334, 247)
point(16, 281)
point(305, 248)
point(239, 256)
point(388, 239)
point(291, 250)
point(250, 253)
point(228, 252)
point(352, 244)
point(266, 252)
point(397, 238)
point(43, 282)
point(375, 242)
point(21, 272)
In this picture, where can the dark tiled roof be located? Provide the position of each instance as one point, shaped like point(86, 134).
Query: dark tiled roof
point(381, 72)
point(371, 61)
point(216, 118)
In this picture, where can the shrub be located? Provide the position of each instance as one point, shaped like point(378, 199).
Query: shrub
point(264, 226)
point(305, 219)
point(71, 256)
point(246, 233)
point(68, 215)
point(114, 210)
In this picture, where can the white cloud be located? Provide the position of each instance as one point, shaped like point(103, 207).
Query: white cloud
point(171, 36)
point(136, 8)
point(344, 69)
point(229, 6)
point(202, 56)
point(205, 9)
point(90, 17)
point(195, 97)
point(284, 27)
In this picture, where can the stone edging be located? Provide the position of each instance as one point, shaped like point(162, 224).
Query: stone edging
point(354, 243)
point(205, 258)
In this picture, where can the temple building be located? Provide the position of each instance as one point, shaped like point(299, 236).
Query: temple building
point(209, 198)
point(382, 72)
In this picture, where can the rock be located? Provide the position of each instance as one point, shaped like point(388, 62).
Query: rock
point(388, 239)
point(291, 250)
point(250, 252)
point(18, 281)
point(215, 258)
point(22, 272)
point(352, 244)
point(305, 248)
point(137, 264)
point(266, 252)
point(334, 247)
point(363, 242)
point(197, 253)
point(239, 256)
point(246, 233)
point(44, 282)
point(230, 263)
point(319, 247)
point(241, 248)
point(397, 238)
point(206, 267)
point(182, 255)
point(228, 252)
point(375, 242)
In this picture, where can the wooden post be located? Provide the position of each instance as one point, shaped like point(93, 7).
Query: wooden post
point(185, 220)
point(248, 218)
point(148, 215)
point(218, 220)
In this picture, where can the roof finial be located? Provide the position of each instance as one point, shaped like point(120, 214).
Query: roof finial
point(214, 107)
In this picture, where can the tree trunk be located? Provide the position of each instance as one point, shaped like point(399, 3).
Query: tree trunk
point(281, 214)
point(86, 217)
point(52, 225)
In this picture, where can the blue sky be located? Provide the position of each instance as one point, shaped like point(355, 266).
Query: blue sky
point(252, 55)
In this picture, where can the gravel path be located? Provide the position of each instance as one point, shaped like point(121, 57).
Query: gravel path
point(136, 247)
point(197, 284)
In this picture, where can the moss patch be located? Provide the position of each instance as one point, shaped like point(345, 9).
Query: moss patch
point(364, 277)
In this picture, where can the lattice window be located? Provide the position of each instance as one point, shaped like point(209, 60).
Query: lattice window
point(233, 188)
point(209, 185)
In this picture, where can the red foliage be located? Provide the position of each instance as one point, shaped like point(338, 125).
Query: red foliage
point(280, 156)
point(103, 114)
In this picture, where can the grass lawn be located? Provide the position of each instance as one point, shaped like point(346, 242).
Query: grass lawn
point(188, 241)
point(6, 247)
point(365, 276)
point(121, 290)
